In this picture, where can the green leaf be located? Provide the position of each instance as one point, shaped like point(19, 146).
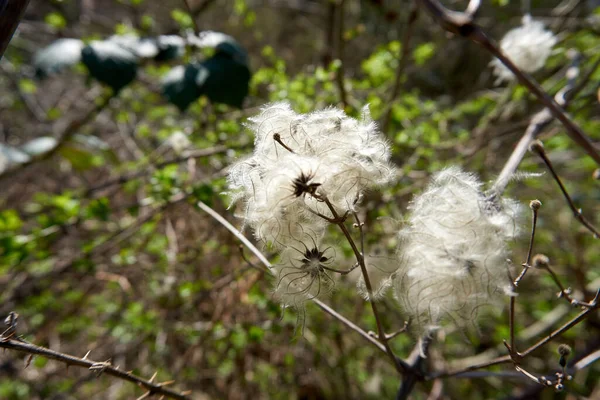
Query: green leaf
point(80, 159)
point(423, 53)
point(27, 86)
point(182, 18)
point(10, 221)
point(55, 20)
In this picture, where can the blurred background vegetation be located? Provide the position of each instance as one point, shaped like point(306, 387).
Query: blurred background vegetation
point(102, 247)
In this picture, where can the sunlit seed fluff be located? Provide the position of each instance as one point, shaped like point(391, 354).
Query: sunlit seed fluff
point(527, 46)
point(299, 160)
point(453, 251)
point(274, 205)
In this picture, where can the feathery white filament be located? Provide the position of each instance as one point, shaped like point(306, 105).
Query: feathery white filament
point(527, 46)
point(297, 156)
point(453, 251)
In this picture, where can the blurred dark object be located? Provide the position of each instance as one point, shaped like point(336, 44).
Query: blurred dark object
point(11, 12)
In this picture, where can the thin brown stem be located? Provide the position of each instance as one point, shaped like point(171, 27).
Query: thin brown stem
point(349, 324)
point(100, 367)
point(192, 15)
point(566, 292)
point(400, 366)
point(594, 304)
point(71, 129)
point(402, 62)
point(340, 75)
point(527, 264)
point(539, 150)
point(277, 138)
point(572, 129)
point(532, 377)
point(511, 326)
point(580, 317)
point(538, 123)
point(463, 25)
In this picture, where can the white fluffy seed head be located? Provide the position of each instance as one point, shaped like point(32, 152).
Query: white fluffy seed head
point(381, 270)
point(453, 251)
point(527, 46)
point(302, 274)
point(299, 160)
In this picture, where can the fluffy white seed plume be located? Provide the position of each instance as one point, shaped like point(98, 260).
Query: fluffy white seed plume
point(382, 271)
point(304, 274)
point(298, 161)
point(453, 251)
point(527, 46)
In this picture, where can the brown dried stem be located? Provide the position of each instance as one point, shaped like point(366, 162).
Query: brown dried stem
point(119, 180)
point(381, 336)
point(463, 25)
point(537, 148)
point(349, 324)
point(100, 367)
point(594, 305)
point(538, 123)
point(402, 62)
point(527, 264)
point(71, 129)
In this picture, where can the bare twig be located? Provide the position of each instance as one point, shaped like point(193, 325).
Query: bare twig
point(415, 361)
point(463, 25)
point(99, 367)
point(192, 15)
point(587, 361)
point(340, 74)
point(538, 123)
point(351, 325)
point(339, 221)
point(119, 180)
point(580, 317)
point(595, 304)
point(402, 62)
point(535, 206)
point(538, 148)
point(564, 292)
point(71, 129)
